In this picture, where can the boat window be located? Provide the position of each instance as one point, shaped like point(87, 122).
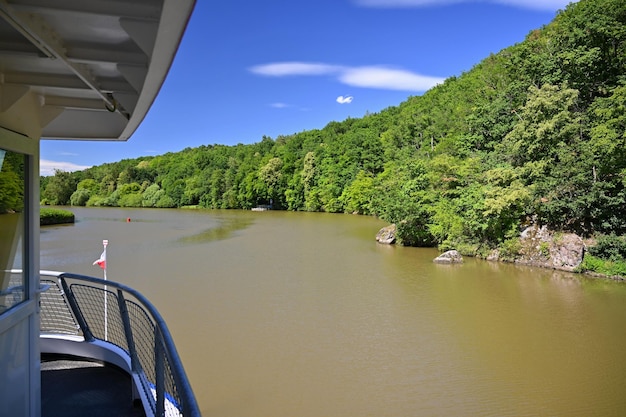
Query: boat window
point(12, 227)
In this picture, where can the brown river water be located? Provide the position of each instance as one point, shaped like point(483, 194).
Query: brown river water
point(281, 314)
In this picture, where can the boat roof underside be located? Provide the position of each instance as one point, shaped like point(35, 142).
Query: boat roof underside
point(85, 70)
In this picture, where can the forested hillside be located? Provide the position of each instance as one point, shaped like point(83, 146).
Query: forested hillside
point(534, 133)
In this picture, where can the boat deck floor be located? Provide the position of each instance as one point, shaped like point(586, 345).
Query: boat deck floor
point(73, 387)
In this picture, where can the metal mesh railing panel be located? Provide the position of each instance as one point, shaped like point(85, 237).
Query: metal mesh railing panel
point(171, 390)
point(143, 338)
point(101, 311)
point(56, 315)
point(126, 319)
point(144, 331)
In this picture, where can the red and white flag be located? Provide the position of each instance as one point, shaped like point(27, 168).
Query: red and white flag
point(102, 262)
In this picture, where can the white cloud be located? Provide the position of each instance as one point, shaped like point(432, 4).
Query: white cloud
point(550, 5)
point(48, 167)
point(388, 79)
point(279, 105)
point(281, 69)
point(344, 99)
point(366, 77)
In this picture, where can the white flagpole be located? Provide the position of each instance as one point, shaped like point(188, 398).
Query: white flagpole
point(106, 312)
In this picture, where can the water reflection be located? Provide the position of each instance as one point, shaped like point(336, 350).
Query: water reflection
point(12, 229)
point(226, 229)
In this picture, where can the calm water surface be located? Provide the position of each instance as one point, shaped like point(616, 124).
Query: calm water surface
point(279, 314)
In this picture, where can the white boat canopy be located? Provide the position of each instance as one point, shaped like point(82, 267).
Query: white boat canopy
point(85, 69)
point(69, 69)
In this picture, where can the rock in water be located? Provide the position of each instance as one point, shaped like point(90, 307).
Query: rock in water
point(387, 235)
point(449, 257)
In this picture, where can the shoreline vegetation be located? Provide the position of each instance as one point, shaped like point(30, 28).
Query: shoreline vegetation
point(533, 136)
point(51, 216)
point(601, 257)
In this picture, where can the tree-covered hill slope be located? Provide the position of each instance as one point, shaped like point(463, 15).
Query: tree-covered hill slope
point(535, 133)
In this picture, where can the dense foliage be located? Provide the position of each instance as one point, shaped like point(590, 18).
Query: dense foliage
point(48, 216)
point(536, 132)
point(607, 256)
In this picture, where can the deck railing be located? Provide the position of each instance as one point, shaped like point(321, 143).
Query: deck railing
point(106, 313)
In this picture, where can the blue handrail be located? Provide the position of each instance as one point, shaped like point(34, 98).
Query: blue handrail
point(135, 321)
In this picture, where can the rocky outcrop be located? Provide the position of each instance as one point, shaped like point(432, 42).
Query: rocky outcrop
point(539, 247)
point(493, 256)
point(449, 257)
point(544, 248)
point(387, 235)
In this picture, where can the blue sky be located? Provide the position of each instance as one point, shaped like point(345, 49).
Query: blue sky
point(249, 68)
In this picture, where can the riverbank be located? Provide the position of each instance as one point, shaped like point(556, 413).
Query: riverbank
point(539, 247)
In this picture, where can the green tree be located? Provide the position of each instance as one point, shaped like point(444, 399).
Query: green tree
point(357, 196)
point(151, 196)
point(547, 144)
point(60, 188)
point(84, 191)
point(129, 195)
point(271, 180)
point(402, 195)
point(309, 182)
